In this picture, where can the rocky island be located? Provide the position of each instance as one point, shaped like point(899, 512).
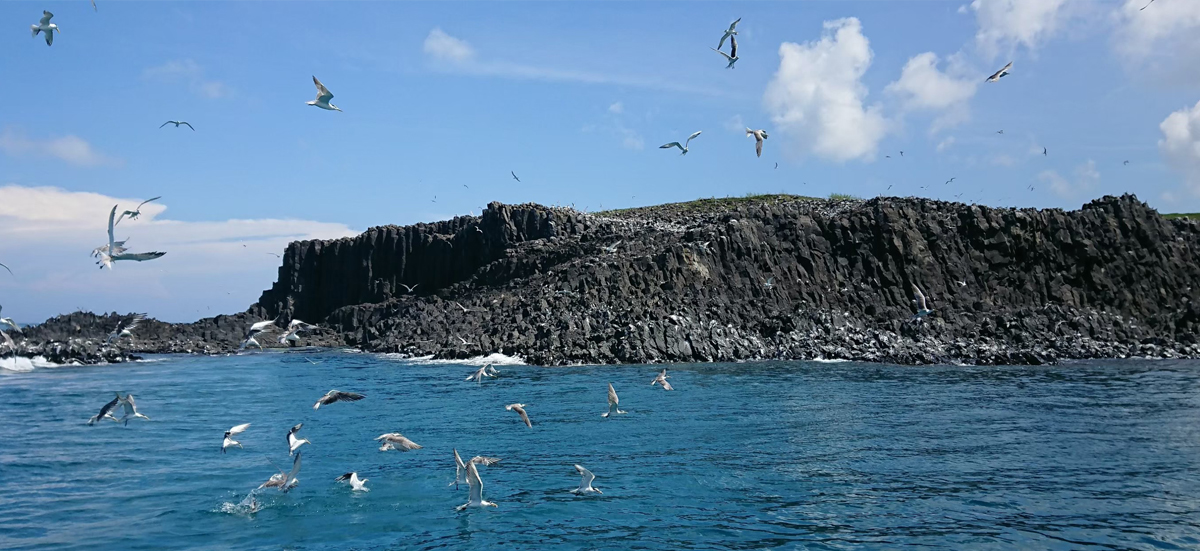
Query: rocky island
point(760, 277)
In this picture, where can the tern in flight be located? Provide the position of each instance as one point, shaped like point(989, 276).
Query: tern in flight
point(106, 411)
point(135, 213)
point(337, 396)
point(729, 33)
point(131, 411)
point(124, 328)
point(177, 123)
point(585, 481)
point(114, 254)
point(520, 409)
point(684, 147)
point(229, 434)
point(612, 402)
point(255, 330)
point(919, 299)
point(661, 379)
point(408, 289)
point(475, 497)
point(1000, 74)
point(356, 484)
point(294, 328)
point(293, 442)
point(397, 441)
point(485, 371)
point(514, 175)
point(460, 467)
point(323, 97)
point(732, 56)
point(45, 26)
point(759, 136)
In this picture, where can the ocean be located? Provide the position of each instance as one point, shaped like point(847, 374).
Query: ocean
point(773, 455)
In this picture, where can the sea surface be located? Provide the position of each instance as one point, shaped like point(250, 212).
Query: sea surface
point(789, 455)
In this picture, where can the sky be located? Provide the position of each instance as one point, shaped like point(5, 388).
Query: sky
point(442, 100)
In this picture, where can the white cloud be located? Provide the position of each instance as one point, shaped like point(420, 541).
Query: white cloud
point(945, 144)
point(1085, 180)
point(816, 96)
point(616, 108)
point(1180, 144)
point(190, 73)
point(71, 149)
point(923, 87)
point(47, 233)
point(1006, 24)
point(444, 47)
point(1163, 39)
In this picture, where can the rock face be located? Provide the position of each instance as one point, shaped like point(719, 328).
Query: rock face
point(771, 277)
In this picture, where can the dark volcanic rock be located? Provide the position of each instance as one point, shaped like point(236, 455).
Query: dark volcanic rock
point(686, 282)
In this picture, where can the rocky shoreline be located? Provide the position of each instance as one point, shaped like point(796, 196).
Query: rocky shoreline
point(767, 277)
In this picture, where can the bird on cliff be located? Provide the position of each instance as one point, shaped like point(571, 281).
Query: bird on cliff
point(661, 379)
point(396, 441)
point(229, 434)
point(729, 33)
point(475, 490)
point(460, 467)
point(256, 329)
point(612, 402)
point(323, 97)
point(106, 411)
point(759, 136)
point(520, 409)
point(356, 484)
point(135, 213)
point(585, 482)
point(45, 26)
point(112, 253)
point(684, 147)
point(131, 411)
point(1000, 74)
point(178, 123)
point(9, 322)
point(922, 308)
point(124, 328)
point(337, 396)
point(732, 56)
point(293, 442)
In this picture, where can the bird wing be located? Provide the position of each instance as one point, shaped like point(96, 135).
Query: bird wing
point(323, 94)
point(485, 461)
point(340, 396)
point(720, 52)
point(50, 37)
point(734, 24)
point(295, 471)
point(458, 462)
point(294, 430)
point(139, 207)
point(111, 215)
point(587, 475)
point(190, 126)
point(524, 416)
point(106, 408)
point(612, 395)
point(345, 477)
point(14, 275)
point(239, 429)
point(46, 16)
point(692, 137)
point(722, 42)
point(1006, 67)
point(919, 297)
point(758, 145)
point(475, 482)
point(166, 123)
point(670, 145)
point(134, 321)
point(732, 47)
point(139, 257)
point(9, 342)
point(667, 386)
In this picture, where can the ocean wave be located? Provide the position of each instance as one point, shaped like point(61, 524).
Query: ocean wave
point(494, 359)
point(21, 364)
point(829, 361)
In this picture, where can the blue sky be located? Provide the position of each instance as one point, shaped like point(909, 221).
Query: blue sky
point(442, 100)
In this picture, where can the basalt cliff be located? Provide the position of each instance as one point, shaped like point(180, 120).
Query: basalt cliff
point(731, 279)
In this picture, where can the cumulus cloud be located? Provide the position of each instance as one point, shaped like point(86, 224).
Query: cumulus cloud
point(1163, 39)
point(1005, 25)
point(1180, 144)
point(924, 87)
point(70, 149)
point(443, 47)
point(47, 233)
point(1085, 179)
point(188, 72)
point(817, 96)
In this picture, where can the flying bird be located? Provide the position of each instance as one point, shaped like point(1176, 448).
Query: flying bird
point(514, 175)
point(460, 467)
point(485, 371)
point(461, 307)
point(1147, 5)
point(113, 254)
point(1126, 162)
point(94, 6)
point(919, 299)
point(284, 481)
point(729, 33)
point(9, 322)
point(294, 328)
point(135, 213)
point(337, 396)
point(475, 496)
point(396, 441)
point(1044, 152)
point(999, 131)
point(732, 56)
point(612, 402)
point(106, 411)
point(585, 481)
point(356, 484)
point(520, 409)
point(323, 97)
point(131, 411)
point(45, 26)
point(776, 165)
point(293, 442)
point(759, 136)
point(229, 434)
point(661, 379)
point(1000, 74)
point(255, 330)
point(684, 147)
point(124, 328)
point(408, 289)
point(177, 123)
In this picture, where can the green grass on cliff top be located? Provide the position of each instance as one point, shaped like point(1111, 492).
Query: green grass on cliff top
point(721, 204)
point(1191, 215)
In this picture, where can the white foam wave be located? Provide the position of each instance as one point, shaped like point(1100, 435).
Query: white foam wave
point(829, 361)
point(494, 359)
point(21, 364)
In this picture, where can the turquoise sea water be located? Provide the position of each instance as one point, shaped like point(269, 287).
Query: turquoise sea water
point(1100, 455)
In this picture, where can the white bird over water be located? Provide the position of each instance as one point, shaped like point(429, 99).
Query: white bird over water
point(124, 328)
point(661, 379)
point(106, 411)
point(135, 213)
point(356, 484)
point(293, 442)
point(485, 371)
point(396, 441)
point(1000, 74)
point(229, 434)
point(323, 97)
point(475, 493)
point(178, 123)
point(255, 330)
point(732, 56)
point(520, 409)
point(131, 411)
point(460, 467)
point(684, 147)
point(612, 402)
point(759, 136)
point(284, 481)
point(337, 396)
point(294, 328)
point(730, 32)
point(45, 26)
point(585, 481)
point(113, 254)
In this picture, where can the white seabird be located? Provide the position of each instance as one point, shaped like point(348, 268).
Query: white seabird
point(113, 254)
point(408, 289)
point(729, 33)
point(396, 441)
point(585, 481)
point(106, 411)
point(131, 411)
point(337, 396)
point(9, 322)
point(475, 495)
point(356, 484)
point(120, 248)
point(1000, 74)
point(284, 481)
point(661, 379)
point(612, 402)
point(684, 147)
point(732, 56)
point(178, 123)
point(294, 328)
point(485, 371)
point(919, 299)
point(135, 213)
point(255, 330)
point(125, 328)
point(229, 434)
point(759, 136)
point(460, 467)
point(45, 26)
point(520, 409)
point(293, 442)
point(323, 97)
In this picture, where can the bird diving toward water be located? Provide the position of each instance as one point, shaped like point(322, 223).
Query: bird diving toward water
point(759, 136)
point(661, 379)
point(135, 213)
point(131, 411)
point(229, 434)
point(177, 123)
point(337, 396)
point(1000, 74)
point(684, 147)
point(293, 442)
point(323, 97)
point(612, 402)
point(585, 481)
point(729, 33)
point(356, 484)
point(113, 254)
point(520, 409)
point(284, 481)
point(460, 467)
point(124, 328)
point(396, 441)
point(45, 26)
point(732, 56)
point(475, 495)
point(919, 299)
point(106, 411)
point(514, 175)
